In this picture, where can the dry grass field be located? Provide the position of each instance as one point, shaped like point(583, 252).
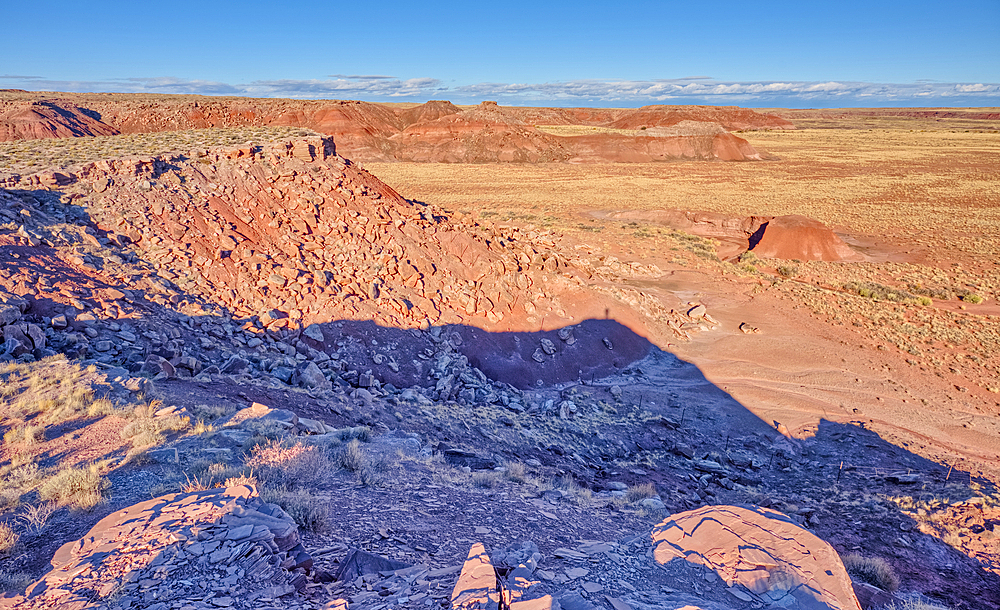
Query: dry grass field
point(29, 156)
point(934, 189)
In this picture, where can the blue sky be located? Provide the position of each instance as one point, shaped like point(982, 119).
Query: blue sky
point(794, 54)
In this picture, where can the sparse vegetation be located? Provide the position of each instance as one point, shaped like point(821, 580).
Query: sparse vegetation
point(75, 487)
point(147, 429)
point(788, 271)
point(369, 469)
point(310, 513)
point(912, 603)
point(485, 479)
point(35, 155)
point(872, 570)
point(515, 472)
point(8, 539)
point(635, 493)
point(880, 292)
point(36, 516)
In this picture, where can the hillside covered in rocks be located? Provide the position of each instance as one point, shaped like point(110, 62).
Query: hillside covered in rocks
point(338, 397)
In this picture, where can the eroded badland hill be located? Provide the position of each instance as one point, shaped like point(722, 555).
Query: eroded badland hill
point(284, 354)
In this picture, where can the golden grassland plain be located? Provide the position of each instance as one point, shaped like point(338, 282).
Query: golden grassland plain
point(931, 198)
point(938, 189)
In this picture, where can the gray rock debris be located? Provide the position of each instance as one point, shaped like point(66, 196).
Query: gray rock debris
point(203, 547)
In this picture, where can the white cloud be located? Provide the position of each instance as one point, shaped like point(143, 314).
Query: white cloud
point(697, 89)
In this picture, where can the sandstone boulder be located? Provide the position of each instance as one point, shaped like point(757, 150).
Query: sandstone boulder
point(761, 549)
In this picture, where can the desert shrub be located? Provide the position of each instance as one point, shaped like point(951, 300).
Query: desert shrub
point(276, 462)
point(146, 429)
point(515, 472)
point(25, 435)
point(263, 431)
point(21, 476)
point(362, 433)
point(9, 498)
point(934, 292)
point(200, 427)
point(369, 469)
point(36, 516)
point(580, 494)
point(8, 540)
point(636, 493)
point(879, 292)
point(212, 412)
point(975, 299)
point(925, 301)
point(485, 479)
point(309, 513)
point(241, 479)
point(872, 570)
point(353, 458)
point(75, 487)
point(788, 271)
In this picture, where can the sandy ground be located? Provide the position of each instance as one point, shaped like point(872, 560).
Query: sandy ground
point(920, 200)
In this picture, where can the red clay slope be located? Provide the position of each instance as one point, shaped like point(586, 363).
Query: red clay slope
point(38, 120)
point(434, 132)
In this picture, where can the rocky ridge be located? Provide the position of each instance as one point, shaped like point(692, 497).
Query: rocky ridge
point(433, 132)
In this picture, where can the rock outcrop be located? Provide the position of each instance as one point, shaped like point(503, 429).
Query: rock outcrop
point(437, 131)
point(800, 237)
point(759, 549)
point(169, 548)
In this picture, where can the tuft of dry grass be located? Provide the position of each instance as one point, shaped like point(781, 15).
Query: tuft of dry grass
point(36, 516)
point(24, 435)
point(147, 429)
point(637, 493)
point(486, 479)
point(368, 468)
point(581, 495)
point(515, 472)
point(8, 540)
point(290, 465)
point(309, 512)
point(872, 570)
point(75, 487)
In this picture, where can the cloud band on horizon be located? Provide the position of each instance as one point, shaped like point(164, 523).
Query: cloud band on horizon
point(584, 92)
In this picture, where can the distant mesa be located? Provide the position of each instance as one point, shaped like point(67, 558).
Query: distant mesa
point(437, 131)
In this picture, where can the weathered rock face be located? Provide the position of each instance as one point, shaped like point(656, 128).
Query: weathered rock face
point(729, 117)
point(437, 131)
point(290, 234)
point(36, 120)
point(791, 237)
point(154, 553)
point(762, 550)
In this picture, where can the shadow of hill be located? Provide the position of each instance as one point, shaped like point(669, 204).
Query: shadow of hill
point(610, 406)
